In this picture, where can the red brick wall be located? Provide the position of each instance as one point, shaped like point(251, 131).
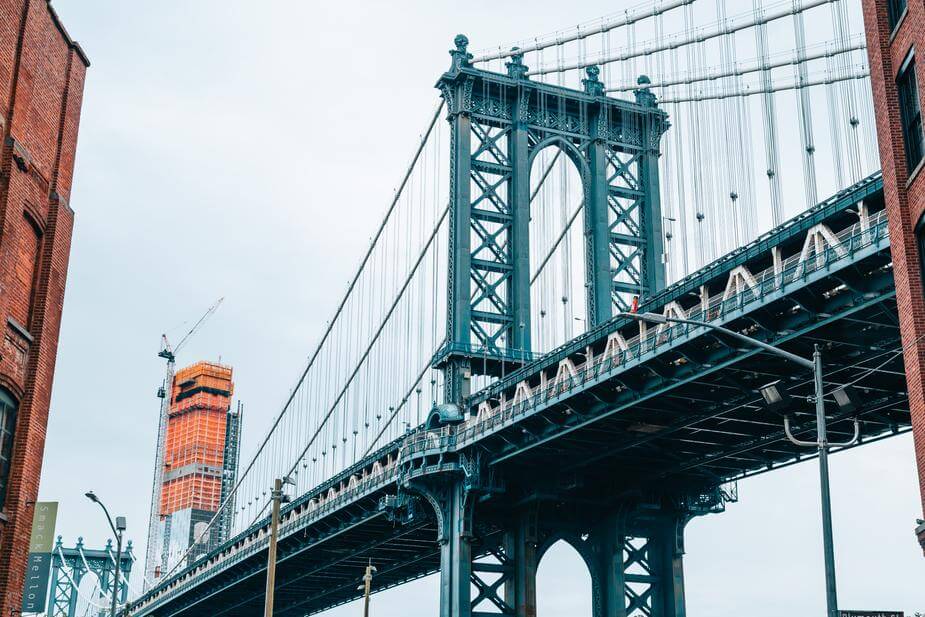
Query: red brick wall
point(41, 87)
point(905, 200)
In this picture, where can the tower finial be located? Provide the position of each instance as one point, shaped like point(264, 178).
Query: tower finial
point(461, 41)
point(593, 85)
point(644, 94)
point(516, 69)
point(461, 57)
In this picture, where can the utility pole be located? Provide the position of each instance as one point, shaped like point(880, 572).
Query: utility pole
point(278, 498)
point(822, 442)
point(366, 587)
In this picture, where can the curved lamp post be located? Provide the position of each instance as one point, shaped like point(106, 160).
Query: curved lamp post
point(821, 443)
point(117, 528)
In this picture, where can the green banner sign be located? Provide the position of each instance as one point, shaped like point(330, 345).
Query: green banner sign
point(41, 544)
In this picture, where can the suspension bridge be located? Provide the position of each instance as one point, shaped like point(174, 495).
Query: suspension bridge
point(478, 394)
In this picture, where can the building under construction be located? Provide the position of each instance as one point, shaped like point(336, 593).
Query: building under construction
point(196, 465)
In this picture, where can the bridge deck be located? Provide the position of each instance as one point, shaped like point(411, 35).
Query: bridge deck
point(615, 413)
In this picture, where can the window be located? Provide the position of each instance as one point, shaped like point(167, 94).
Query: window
point(910, 112)
point(920, 241)
point(894, 11)
point(26, 268)
point(7, 425)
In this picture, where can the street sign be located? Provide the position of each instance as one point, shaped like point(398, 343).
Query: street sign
point(871, 614)
point(41, 543)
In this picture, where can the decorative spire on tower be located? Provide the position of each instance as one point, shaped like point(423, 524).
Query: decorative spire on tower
point(461, 57)
point(593, 85)
point(516, 69)
point(643, 93)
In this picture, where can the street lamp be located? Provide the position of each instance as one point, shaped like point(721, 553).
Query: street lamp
point(117, 528)
point(776, 397)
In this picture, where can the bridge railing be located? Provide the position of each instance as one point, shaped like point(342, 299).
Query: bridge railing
point(423, 441)
point(749, 290)
point(291, 520)
point(572, 374)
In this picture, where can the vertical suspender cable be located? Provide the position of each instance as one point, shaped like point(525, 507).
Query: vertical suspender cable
point(769, 119)
point(804, 108)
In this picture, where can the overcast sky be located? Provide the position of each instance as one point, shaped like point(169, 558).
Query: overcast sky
point(246, 150)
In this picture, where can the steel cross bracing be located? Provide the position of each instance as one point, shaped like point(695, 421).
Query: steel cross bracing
point(499, 123)
point(611, 442)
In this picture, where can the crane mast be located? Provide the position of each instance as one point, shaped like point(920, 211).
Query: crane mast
point(155, 556)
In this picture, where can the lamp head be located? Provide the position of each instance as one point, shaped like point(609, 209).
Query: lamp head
point(775, 396)
point(91, 496)
point(848, 399)
point(649, 317)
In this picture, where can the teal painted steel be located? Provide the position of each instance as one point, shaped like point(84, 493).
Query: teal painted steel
point(496, 489)
point(499, 122)
point(69, 566)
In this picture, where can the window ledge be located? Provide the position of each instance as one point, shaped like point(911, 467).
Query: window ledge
point(915, 173)
point(20, 329)
point(899, 24)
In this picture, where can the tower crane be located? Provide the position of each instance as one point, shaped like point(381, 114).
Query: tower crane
point(154, 550)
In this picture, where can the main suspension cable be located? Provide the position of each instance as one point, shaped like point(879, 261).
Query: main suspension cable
point(627, 19)
point(722, 29)
point(373, 243)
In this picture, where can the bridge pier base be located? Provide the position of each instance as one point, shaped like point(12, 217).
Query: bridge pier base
point(637, 565)
point(520, 546)
point(455, 552)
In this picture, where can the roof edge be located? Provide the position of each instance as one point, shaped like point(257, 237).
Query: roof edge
point(72, 44)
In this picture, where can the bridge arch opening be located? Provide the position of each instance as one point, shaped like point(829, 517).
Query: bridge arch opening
point(558, 273)
point(563, 582)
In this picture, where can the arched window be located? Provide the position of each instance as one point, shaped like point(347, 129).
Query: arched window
point(8, 408)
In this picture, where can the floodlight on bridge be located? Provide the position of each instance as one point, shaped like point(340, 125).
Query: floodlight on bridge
point(775, 396)
point(847, 399)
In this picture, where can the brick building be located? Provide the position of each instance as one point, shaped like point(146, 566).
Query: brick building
point(896, 43)
point(41, 86)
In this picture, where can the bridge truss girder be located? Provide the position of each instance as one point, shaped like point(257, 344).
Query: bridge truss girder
point(615, 465)
point(694, 415)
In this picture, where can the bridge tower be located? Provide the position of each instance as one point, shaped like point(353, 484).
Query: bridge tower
point(69, 566)
point(499, 123)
